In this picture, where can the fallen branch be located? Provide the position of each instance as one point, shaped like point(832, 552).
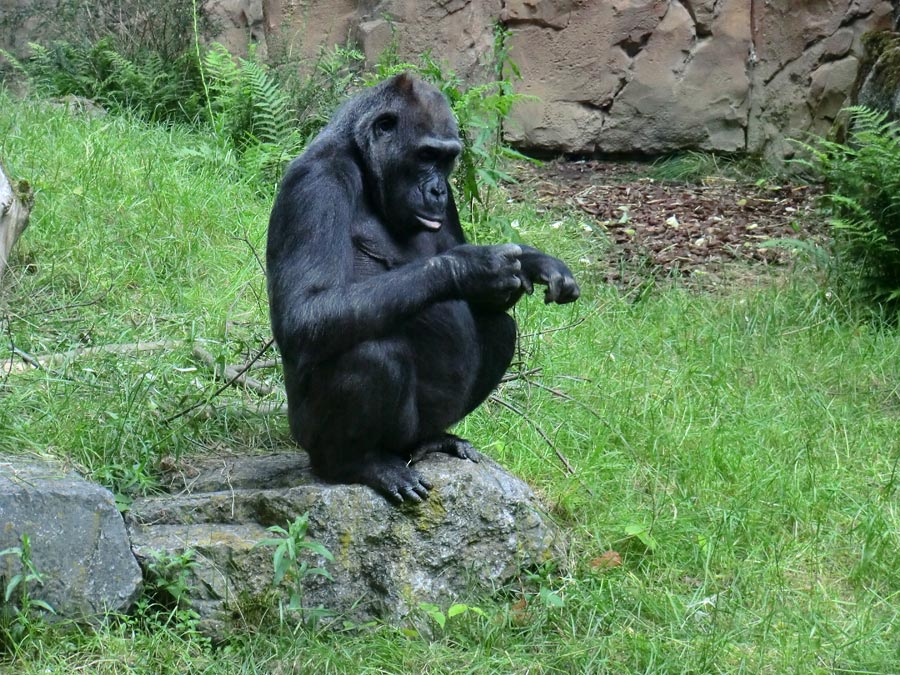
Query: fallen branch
point(240, 371)
point(234, 374)
point(30, 361)
point(268, 363)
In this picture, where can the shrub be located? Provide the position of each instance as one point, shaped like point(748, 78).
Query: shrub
point(862, 178)
point(147, 84)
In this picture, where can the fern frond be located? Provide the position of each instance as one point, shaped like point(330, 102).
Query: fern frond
point(272, 121)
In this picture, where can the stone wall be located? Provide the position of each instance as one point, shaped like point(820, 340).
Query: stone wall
point(610, 76)
point(624, 76)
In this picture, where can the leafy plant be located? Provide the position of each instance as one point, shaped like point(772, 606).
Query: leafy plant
point(291, 564)
point(168, 575)
point(17, 614)
point(458, 609)
point(862, 176)
point(267, 114)
point(147, 84)
point(164, 602)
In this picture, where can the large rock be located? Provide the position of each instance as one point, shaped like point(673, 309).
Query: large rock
point(478, 529)
point(634, 76)
point(78, 540)
point(804, 57)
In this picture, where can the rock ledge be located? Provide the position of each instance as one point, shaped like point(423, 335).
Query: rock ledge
point(479, 529)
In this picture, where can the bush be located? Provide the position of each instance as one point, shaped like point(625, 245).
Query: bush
point(862, 178)
point(153, 87)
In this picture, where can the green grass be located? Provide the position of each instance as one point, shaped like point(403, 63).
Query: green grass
point(739, 450)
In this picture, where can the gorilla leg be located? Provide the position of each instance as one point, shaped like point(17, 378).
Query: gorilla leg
point(497, 342)
point(358, 420)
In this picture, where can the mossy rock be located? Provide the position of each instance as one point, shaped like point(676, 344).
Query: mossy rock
point(880, 72)
point(479, 529)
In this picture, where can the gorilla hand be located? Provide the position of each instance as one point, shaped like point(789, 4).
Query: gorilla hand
point(488, 275)
point(540, 268)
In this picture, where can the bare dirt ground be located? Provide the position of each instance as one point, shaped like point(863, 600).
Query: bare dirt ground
point(675, 228)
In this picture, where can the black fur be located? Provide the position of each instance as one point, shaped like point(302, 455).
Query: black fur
point(390, 326)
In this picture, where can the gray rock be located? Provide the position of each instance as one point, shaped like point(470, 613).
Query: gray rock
point(478, 529)
point(78, 539)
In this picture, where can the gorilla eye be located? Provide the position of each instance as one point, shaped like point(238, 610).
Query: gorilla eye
point(385, 124)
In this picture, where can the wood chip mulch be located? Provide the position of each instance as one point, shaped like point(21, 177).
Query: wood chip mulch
point(674, 227)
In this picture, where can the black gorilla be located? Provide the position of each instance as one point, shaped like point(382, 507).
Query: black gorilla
point(390, 326)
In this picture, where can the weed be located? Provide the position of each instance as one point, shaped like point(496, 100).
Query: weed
point(20, 610)
point(436, 614)
point(292, 568)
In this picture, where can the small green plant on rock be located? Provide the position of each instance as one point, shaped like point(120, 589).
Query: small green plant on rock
point(166, 588)
point(291, 566)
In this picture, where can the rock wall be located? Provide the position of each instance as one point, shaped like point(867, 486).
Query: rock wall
point(627, 76)
point(613, 77)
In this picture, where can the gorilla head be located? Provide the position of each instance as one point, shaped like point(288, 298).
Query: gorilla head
point(408, 141)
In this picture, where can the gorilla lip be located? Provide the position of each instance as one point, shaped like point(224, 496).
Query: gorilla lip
point(430, 224)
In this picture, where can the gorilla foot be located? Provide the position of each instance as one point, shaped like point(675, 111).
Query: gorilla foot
point(395, 480)
point(450, 445)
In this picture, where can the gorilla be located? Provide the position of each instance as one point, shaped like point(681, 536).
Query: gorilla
point(391, 327)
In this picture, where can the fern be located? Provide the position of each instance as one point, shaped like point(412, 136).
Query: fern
point(863, 202)
point(271, 120)
point(252, 110)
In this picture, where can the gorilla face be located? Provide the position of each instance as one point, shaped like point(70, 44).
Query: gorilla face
point(411, 152)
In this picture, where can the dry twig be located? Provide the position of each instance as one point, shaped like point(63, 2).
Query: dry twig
point(230, 381)
point(233, 374)
point(29, 361)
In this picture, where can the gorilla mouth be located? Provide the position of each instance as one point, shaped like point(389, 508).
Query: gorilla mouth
point(430, 224)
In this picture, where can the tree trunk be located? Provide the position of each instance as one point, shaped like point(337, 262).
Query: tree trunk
point(16, 199)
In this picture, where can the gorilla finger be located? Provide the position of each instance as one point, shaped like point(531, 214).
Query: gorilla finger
point(410, 493)
point(394, 496)
point(554, 288)
point(468, 451)
point(509, 250)
point(424, 482)
point(526, 283)
point(570, 292)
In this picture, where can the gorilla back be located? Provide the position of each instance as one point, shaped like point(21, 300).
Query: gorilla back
point(391, 327)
